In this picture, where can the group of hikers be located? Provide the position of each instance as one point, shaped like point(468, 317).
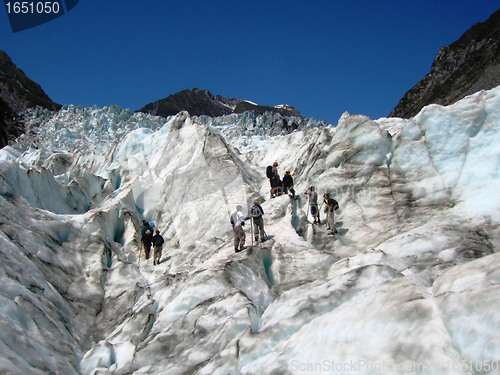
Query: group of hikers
point(331, 206)
point(237, 219)
point(148, 240)
point(279, 187)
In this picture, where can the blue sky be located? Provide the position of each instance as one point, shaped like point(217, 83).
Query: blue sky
point(323, 57)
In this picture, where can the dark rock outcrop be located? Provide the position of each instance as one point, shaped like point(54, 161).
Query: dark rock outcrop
point(17, 93)
point(10, 126)
point(202, 102)
point(469, 65)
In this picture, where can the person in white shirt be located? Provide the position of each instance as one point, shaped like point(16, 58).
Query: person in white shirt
point(238, 221)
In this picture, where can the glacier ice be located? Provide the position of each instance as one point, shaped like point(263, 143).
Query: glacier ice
point(410, 284)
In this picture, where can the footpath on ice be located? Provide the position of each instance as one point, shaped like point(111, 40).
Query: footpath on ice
point(409, 284)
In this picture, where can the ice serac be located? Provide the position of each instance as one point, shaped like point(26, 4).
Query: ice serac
point(408, 285)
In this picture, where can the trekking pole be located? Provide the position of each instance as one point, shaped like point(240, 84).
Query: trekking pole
point(140, 251)
point(251, 229)
point(319, 212)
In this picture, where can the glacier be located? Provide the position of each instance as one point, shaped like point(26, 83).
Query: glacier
point(410, 284)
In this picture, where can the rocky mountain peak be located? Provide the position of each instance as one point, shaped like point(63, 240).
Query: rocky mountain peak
point(17, 93)
point(470, 64)
point(202, 102)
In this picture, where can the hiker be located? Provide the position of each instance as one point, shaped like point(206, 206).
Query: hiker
point(274, 178)
point(277, 190)
point(313, 203)
point(288, 183)
point(144, 227)
point(158, 246)
point(258, 221)
point(238, 221)
point(331, 206)
point(147, 240)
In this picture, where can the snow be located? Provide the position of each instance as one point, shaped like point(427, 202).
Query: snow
point(409, 285)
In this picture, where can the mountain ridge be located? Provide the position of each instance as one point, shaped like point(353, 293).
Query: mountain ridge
point(469, 65)
point(17, 93)
point(199, 102)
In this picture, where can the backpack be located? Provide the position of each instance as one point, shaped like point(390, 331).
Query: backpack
point(234, 218)
point(269, 171)
point(256, 211)
point(158, 240)
point(334, 203)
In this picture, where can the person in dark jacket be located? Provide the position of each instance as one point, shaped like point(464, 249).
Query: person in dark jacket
point(331, 206)
point(275, 180)
point(147, 241)
point(288, 183)
point(158, 246)
point(258, 221)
